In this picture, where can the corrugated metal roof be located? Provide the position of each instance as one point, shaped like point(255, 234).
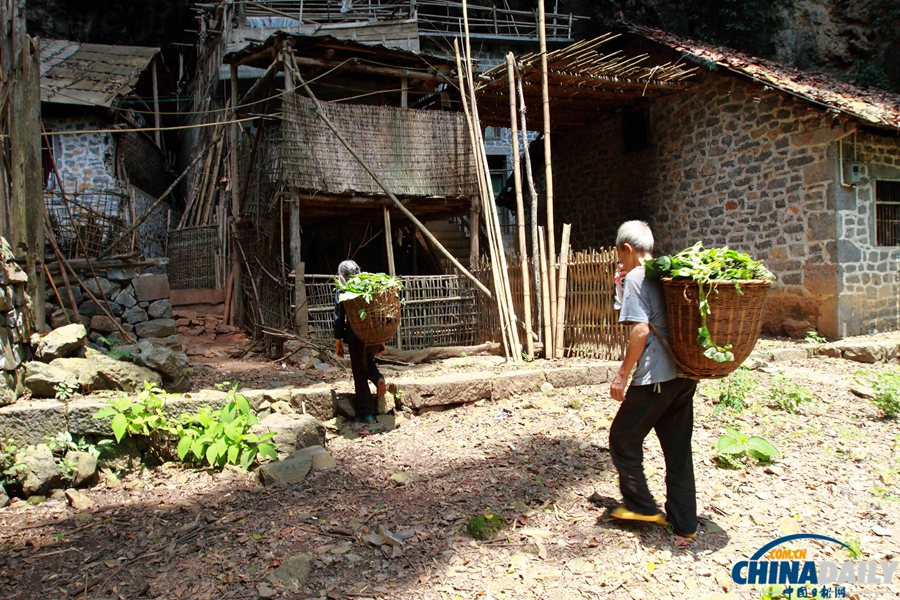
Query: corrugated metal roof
point(90, 74)
point(872, 105)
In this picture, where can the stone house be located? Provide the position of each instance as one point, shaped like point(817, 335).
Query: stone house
point(95, 99)
point(800, 170)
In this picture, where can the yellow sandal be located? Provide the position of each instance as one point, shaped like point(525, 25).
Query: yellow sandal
point(620, 512)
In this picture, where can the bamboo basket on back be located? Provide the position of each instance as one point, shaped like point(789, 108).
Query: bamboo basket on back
point(735, 318)
point(374, 322)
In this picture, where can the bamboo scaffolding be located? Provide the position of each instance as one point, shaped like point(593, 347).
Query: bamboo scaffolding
point(520, 208)
point(532, 190)
point(561, 301)
point(504, 293)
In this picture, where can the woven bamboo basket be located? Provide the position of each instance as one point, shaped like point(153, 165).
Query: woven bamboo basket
point(734, 319)
point(382, 316)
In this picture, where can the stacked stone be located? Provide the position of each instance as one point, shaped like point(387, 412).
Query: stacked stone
point(139, 305)
point(12, 327)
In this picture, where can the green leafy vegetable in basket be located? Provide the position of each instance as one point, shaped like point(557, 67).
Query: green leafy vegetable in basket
point(367, 285)
point(708, 267)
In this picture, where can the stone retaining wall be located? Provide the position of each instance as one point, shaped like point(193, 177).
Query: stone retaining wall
point(14, 349)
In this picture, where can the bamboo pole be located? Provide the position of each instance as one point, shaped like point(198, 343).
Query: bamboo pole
point(389, 242)
point(520, 208)
point(548, 170)
point(474, 233)
point(483, 193)
point(390, 194)
point(561, 301)
point(529, 176)
point(56, 293)
point(545, 292)
point(504, 290)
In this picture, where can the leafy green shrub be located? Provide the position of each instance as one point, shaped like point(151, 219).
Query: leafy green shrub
point(886, 388)
point(733, 392)
point(813, 337)
point(706, 267)
point(222, 436)
point(144, 417)
point(10, 467)
point(735, 446)
point(788, 395)
point(367, 285)
point(63, 442)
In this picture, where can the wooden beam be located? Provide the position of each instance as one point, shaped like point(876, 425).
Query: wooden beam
point(353, 65)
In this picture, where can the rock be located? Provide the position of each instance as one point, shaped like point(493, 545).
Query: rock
point(387, 421)
point(89, 378)
point(103, 324)
point(292, 432)
point(135, 315)
point(320, 457)
point(4, 499)
point(881, 531)
point(110, 479)
point(265, 591)
point(61, 342)
point(285, 472)
point(150, 287)
point(864, 353)
point(385, 404)
point(861, 391)
point(343, 406)
point(123, 375)
point(61, 317)
point(546, 387)
point(797, 329)
point(101, 287)
point(172, 341)
point(42, 379)
point(293, 572)
point(168, 363)
point(830, 350)
point(157, 328)
point(41, 473)
point(562, 377)
point(82, 519)
point(505, 385)
point(10, 352)
point(444, 389)
point(121, 275)
point(78, 500)
point(92, 309)
point(125, 299)
point(85, 466)
point(160, 309)
point(282, 408)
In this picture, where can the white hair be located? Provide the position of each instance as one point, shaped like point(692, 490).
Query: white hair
point(636, 233)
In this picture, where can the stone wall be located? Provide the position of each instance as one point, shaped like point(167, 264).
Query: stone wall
point(868, 273)
point(138, 303)
point(732, 164)
point(14, 349)
point(84, 160)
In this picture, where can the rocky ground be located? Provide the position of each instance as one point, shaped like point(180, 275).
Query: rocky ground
point(539, 461)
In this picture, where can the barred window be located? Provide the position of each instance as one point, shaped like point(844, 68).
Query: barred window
point(887, 213)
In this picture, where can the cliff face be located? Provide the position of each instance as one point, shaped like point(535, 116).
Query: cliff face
point(858, 40)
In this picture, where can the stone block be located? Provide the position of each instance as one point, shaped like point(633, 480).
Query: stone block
point(505, 385)
point(135, 314)
point(188, 297)
point(317, 401)
point(157, 328)
point(789, 354)
point(29, 421)
point(151, 287)
point(171, 341)
point(160, 309)
point(42, 379)
point(124, 298)
point(61, 317)
point(285, 472)
point(121, 275)
point(10, 351)
point(80, 416)
point(292, 432)
point(178, 404)
point(321, 458)
point(444, 389)
point(103, 324)
point(89, 308)
point(562, 377)
point(864, 353)
point(101, 287)
point(89, 377)
point(61, 342)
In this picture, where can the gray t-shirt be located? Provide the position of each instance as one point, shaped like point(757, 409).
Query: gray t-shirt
point(643, 302)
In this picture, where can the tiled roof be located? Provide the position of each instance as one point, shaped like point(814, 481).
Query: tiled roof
point(90, 74)
point(871, 105)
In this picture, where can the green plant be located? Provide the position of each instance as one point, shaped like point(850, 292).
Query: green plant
point(64, 391)
point(886, 391)
point(63, 442)
point(734, 391)
point(788, 395)
point(144, 417)
point(855, 552)
point(112, 346)
point(734, 446)
point(366, 285)
point(486, 526)
point(709, 267)
point(222, 436)
point(813, 337)
point(10, 465)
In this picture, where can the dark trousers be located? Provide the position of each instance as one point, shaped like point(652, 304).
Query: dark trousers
point(362, 363)
point(669, 411)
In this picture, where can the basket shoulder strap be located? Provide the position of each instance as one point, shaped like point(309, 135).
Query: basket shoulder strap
point(685, 373)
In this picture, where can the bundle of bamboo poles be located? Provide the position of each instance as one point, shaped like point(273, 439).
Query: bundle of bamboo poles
point(510, 337)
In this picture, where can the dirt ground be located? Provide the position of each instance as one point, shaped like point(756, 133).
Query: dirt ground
point(540, 461)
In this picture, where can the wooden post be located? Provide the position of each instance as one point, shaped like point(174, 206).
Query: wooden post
point(389, 242)
point(529, 176)
point(545, 292)
point(237, 303)
point(561, 302)
point(474, 234)
point(520, 207)
point(156, 121)
point(404, 92)
point(548, 171)
point(27, 200)
point(301, 310)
